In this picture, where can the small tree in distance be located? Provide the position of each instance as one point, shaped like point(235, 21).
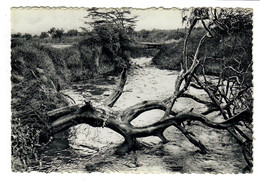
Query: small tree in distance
point(112, 30)
point(72, 33)
point(122, 18)
point(44, 35)
point(27, 36)
point(56, 33)
point(16, 35)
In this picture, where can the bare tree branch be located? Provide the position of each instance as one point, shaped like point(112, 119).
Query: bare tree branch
point(184, 76)
point(197, 99)
point(118, 91)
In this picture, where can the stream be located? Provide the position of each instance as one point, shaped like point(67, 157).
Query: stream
point(86, 149)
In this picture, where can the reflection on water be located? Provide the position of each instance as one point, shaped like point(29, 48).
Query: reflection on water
point(88, 149)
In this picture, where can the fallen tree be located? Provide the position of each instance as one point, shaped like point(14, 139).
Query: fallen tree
point(226, 96)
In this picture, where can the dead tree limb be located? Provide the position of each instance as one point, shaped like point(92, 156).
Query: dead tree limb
point(197, 143)
point(120, 122)
point(196, 99)
point(118, 91)
point(185, 61)
point(184, 76)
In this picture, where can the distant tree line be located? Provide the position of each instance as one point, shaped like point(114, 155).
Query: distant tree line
point(155, 35)
point(54, 33)
point(19, 35)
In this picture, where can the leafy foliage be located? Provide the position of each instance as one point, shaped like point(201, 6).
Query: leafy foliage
point(72, 32)
point(43, 35)
point(56, 33)
point(27, 36)
point(16, 35)
point(121, 18)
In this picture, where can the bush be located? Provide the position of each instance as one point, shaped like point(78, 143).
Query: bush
point(16, 35)
point(169, 56)
point(27, 36)
point(106, 45)
point(34, 92)
point(16, 42)
point(44, 35)
point(72, 33)
point(58, 34)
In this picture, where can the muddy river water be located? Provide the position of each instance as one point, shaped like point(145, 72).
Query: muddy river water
point(87, 149)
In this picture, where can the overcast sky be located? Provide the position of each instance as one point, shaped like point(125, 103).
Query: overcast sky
point(36, 20)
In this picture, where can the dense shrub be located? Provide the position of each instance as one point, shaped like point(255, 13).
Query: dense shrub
point(43, 35)
point(72, 32)
point(34, 92)
point(27, 36)
point(16, 42)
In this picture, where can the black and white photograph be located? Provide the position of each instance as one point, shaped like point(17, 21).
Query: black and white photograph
point(130, 90)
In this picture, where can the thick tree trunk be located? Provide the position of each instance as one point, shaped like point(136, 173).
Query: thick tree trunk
point(120, 122)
